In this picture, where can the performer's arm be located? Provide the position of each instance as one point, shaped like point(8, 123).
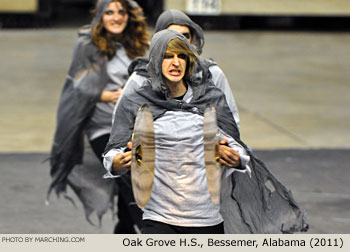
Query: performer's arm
point(117, 161)
point(220, 81)
point(122, 161)
point(233, 155)
point(110, 96)
point(228, 156)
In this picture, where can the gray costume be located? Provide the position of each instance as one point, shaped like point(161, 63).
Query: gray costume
point(71, 162)
point(138, 72)
point(247, 205)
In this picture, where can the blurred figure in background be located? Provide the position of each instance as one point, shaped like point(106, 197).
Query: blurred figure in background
point(98, 72)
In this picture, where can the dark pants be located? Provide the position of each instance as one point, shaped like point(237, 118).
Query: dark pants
point(128, 212)
point(155, 227)
point(98, 145)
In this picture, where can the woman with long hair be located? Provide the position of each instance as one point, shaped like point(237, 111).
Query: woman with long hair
point(98, 72)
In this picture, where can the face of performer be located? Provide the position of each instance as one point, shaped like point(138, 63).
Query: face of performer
point(184, 30)
point(174, 67)
point(115, 18)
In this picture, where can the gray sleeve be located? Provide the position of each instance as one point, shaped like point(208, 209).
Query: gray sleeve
point(243, 155)
point(133, 82)
point(221, 82)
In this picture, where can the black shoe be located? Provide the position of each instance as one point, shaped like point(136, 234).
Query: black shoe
point(121, 228)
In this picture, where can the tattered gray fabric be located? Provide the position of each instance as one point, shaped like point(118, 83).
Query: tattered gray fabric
point(71, 161)
point(96, 194)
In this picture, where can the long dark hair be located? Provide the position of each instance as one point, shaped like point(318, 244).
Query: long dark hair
point(134, 38)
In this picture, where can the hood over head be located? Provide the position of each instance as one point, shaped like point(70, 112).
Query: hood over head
point(170, 17)
point(159, 44)
point(100, 8)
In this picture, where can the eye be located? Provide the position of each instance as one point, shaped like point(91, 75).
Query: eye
point(182, 56)
point(187, 35)
point(109, 12)
point(122, 12)
point(168, 56)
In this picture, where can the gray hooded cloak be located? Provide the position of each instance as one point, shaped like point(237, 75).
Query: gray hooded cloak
point(248, 205)
point(71, 162)
point(177, 17)
point(170, 17)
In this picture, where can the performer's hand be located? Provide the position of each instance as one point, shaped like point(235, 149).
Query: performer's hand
point(123, 160)
point(111, 96)
point(228, 156)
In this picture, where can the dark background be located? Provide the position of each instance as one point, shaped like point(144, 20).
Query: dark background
point(62, 13)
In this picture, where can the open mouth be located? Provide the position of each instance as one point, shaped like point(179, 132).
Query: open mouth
point(175, 72)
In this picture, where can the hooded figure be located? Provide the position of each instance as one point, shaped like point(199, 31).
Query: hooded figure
point(99, 64)
point(176, 17)
point(171, 17)
point(179, 194)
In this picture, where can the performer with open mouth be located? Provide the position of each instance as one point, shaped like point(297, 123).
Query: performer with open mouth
point(180, 200)
point(176, 190)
